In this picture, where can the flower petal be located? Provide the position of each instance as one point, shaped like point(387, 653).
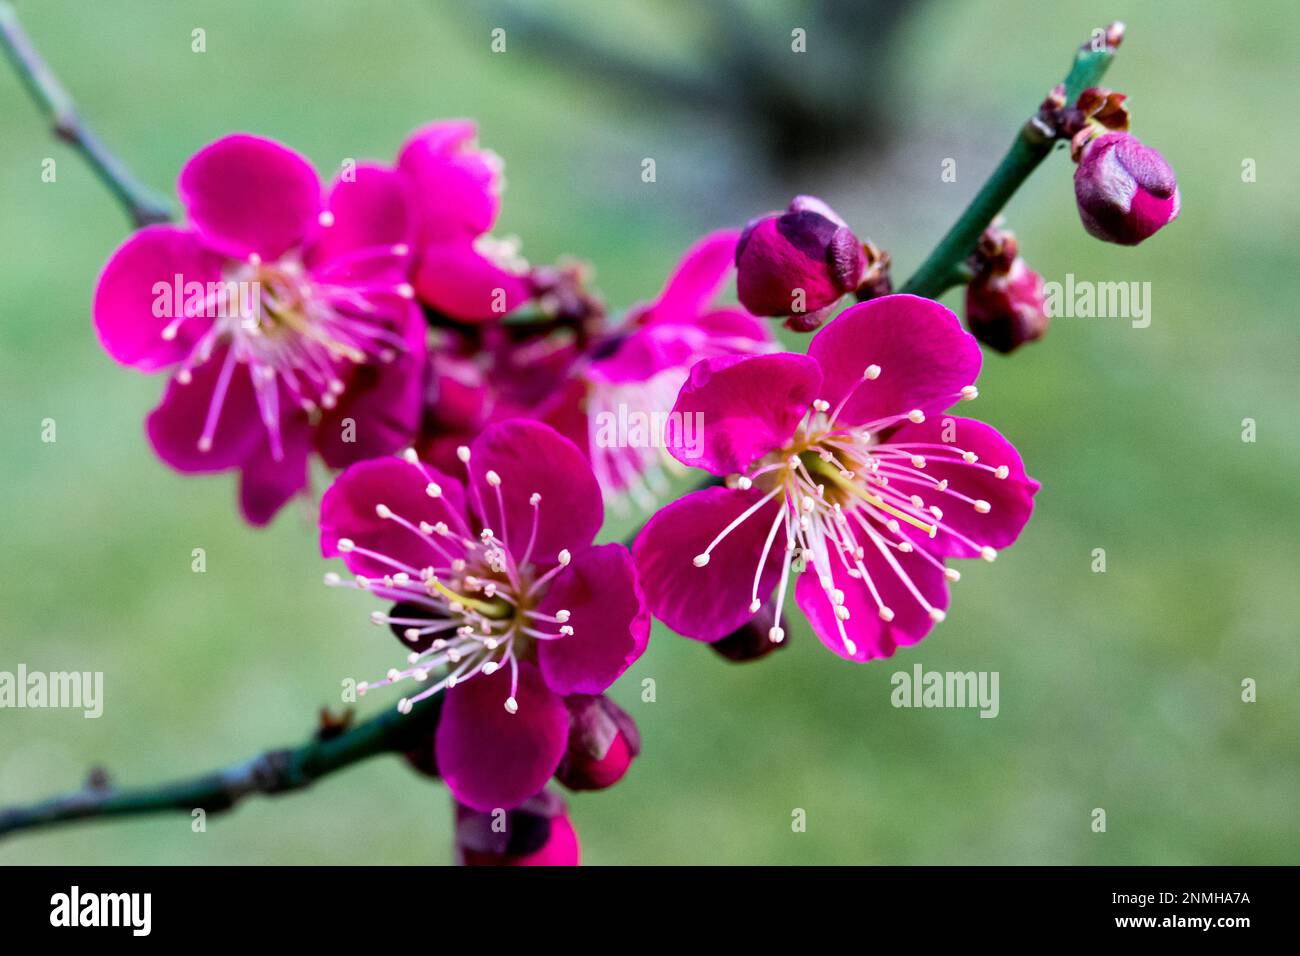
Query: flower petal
point(870, 635)
point(924, 355)
point(457, 187)
point(531, 458)
point(139, 282)
point(348, 510)
point(698, 278)
point(457, 279)
point(747, 406)
point(175, 426)
point(245, 195)
point(610, 622)
point(1010, 499)
point(266, 485)
point(491, 758)
point(707, 603)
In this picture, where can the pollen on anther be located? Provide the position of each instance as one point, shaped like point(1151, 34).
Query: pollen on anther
point(754, 605)
point(332, 580)
point(952, 574)
point(886, 614)
point(562, 616)
point(983, 507)
point(406, 290)
point(776, 635)
point(463, 453)
point(970, 457)
point(493, 479)
point(872, 372)
point(1002, 471)
point(512, 705)
point(918, 461)
point(564, 557)
point(566, 630)
point(970, 392)
point(744, 483)
point(700, 560)
point(433, 489)
point(403, 706)
point(490, 668)
point(345, 545)
point(383, 511)
point(326, 219)
point(988, 554)
point(916, 416)
point(377, 617)
point(937, 615)
point(534, 499)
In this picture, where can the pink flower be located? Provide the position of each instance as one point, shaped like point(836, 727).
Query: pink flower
point(505, 603)
point(537, 833)
point(285, 319)
point(1125, 190)
point(848, 473)
point(799, 263)
point(621, 392)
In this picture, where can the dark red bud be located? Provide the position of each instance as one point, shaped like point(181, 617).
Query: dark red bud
point(536, 833)
point(603, 741)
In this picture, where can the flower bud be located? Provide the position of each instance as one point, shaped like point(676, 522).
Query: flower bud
point(1006, 305)
point(603, 740)
point(753, 639)
point(798, 263)
point(1126, 191)
point(536, 833)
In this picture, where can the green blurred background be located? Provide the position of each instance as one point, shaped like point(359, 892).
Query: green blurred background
point(1118, 690)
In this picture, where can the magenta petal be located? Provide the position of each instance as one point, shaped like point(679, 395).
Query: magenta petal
point(491, 758)
point(698, 278)
point(384, 403)
point(246, 195)
point(707, 603)
point(175, 426)
point(372, 209)
point(456, 186)
point(138, 283)
point(747, 406)
point(925, 358)
point(610, 622)
point(1011, 499)
point(532, 458)
point(456, 279)
point(265, 485)
point(349, 510)
point(871, 636)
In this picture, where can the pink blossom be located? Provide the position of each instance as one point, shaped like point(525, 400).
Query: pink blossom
point(848, 471)
point(503, 601)
point(635, 372)
point(284, 318)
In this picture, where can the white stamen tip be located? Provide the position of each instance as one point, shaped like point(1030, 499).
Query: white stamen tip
point(411, 457)
point(493, 479)
point(872, 372)
point(534, 499)
point(969, 392)
point(326, 219)
point(842, 612)
point(1002, 471)
point(988, 554)
point(403, 706)
point(937, 615)
point(916, 416)
point(952, 574)
point(346, 544)
point(512, 705)
point(377, 617)
point(184, 376)
point(850, 647)
point(969, 457)
point(700, 560)
point(886, 614)
point(918, 461)
point(776, 635)
point(566, 630)
point(205, 443)
point(406, 290)
point(463, 453)
point(822, 405)
point(490, 668)
point(254, 259)
point(383, 511)
point(412, 634)
point(983, 507)
point(743, 483)
point(433, 489)
point(562, 616)
point(332, 580)
point(754, 605)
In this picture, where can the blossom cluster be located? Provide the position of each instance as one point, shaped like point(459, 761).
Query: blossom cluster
point(462, 397)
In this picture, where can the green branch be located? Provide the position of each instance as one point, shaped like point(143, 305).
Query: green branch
point(273, 772)
point(140, 203)
point(942, 269)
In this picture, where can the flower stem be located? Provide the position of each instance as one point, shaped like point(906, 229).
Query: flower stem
point(140, 203)
point(943, 268)
point(273, 772)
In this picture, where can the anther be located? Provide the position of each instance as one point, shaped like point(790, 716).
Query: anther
point(512, 705)
point(937, 615)
point(970, 392)
point(345, 545)
point(1002, 471)
point(463, 453)
point(983, 507)
point(872, 372)
point(326, 219)
point(700, 560)
point(493, 479)
point(916, 416)
point(433, 490)
point(988, 554)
